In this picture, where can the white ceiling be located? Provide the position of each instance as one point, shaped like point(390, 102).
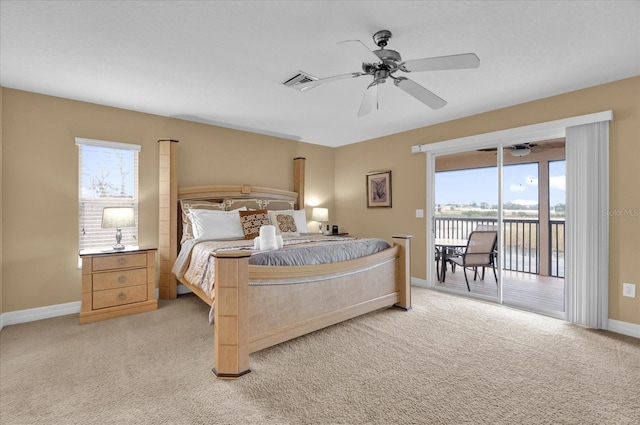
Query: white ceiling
point(224, 63)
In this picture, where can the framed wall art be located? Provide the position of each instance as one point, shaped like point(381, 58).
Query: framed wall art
point(379, 189)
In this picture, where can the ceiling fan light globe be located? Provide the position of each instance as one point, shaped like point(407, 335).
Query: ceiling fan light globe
point(381, 75)
point(520, 152)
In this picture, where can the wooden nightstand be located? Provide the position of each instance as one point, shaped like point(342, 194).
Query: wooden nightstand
point(117, 283)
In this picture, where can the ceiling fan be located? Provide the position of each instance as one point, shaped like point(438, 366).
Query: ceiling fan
point(524, 149)
point(382, 64)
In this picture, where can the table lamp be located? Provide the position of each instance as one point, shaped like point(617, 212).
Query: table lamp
point(320, 215)
point(118, 217)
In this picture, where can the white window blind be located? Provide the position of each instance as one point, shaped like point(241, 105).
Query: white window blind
point(587, 235)
point(108, 178)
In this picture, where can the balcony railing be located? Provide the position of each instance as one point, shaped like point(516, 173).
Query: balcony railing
point(556, 248)
point(520, 251)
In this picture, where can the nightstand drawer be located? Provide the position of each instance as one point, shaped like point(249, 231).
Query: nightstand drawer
point(117, 283)
point(124, 261)
point(114, 297)
point(119, 279)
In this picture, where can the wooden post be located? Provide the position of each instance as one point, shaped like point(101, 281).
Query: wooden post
point(298, 179)
point(231, 314)
point(168, 217)
point(403, 270)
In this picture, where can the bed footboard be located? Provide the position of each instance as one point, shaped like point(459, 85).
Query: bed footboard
point(251, 318)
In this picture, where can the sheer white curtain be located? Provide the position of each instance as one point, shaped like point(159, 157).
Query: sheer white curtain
point(587, 230)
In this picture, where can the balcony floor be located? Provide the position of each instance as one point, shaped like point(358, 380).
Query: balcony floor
point(539, 293)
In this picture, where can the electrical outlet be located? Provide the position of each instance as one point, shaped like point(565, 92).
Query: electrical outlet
point(629, 290)
point(419, 213)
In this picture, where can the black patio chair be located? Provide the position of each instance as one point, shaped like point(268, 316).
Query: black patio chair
point(480, 252)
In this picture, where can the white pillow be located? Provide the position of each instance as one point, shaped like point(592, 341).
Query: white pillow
point(211, 224)
point(300, 216)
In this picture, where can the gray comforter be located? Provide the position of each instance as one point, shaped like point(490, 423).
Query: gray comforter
point(196, 265)
point(330, 251)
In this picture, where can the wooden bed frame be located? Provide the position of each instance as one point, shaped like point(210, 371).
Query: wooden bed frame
point(260, 306)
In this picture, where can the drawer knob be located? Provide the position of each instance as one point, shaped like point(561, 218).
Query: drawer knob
point(122, 278)
point(122, 260)
point(122, 296)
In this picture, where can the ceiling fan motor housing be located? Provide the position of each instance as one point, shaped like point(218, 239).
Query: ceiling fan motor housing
point(389, 61)
point(389, 58)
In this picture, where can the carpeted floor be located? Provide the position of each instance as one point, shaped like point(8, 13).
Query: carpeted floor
point(449, 360)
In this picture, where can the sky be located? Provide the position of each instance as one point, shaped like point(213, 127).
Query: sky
point(480, 185)
point(115, 168)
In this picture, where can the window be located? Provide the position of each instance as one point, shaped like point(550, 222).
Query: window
point(108, 178)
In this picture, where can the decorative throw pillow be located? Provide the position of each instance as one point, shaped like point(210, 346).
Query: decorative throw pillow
point(299, 216)
point(285, 223)
point(252, 221)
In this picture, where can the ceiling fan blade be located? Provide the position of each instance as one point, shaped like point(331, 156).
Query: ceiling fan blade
point(315, 83)
point(420, 93)
point(358, 49)
point(463, 61)
point(369, 99)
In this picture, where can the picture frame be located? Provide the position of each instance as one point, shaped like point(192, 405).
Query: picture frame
point(379, 189)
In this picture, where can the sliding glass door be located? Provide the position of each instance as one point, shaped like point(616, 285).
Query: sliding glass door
point(584, 261)
point(466, 201)
point(518, 196)
point(533, 228)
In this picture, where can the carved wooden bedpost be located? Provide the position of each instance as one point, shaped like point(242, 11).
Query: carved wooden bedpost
point(403, 270)
point(298, 179)
point(168, 217)
point(231, 314)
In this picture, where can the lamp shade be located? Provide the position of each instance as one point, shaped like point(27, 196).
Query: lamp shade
point(118, 217)
point(320, 214)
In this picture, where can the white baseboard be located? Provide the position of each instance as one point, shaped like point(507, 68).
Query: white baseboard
point(39, 313)
point(419, 282)
point(183, 289)
point(624, 328)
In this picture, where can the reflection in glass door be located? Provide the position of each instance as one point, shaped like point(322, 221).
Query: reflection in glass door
point(466, 208)
point(533, 234)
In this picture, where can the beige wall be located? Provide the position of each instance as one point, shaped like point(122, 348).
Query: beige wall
point(352, 162)
point(40, 181)
point(1, 172)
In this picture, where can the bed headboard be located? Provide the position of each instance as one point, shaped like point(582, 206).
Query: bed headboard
point(229, 198)
point(170, 222)
point(244, 191)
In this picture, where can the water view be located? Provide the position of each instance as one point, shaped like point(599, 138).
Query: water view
point(467, 200)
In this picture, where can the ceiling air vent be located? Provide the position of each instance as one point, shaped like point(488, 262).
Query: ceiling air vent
point(295, 81)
